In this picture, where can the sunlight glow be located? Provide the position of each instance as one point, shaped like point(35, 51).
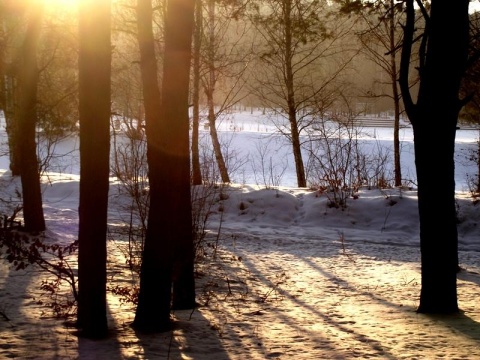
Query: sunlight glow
point(52, 4)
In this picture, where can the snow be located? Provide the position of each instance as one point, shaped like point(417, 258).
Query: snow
point(291, 276)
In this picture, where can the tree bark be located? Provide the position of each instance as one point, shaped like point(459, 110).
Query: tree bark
point(434, 120)
point(153, 310)
point(27, 121)
point(169, 240)
point(94, 109)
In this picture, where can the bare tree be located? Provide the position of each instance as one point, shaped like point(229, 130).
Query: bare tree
point(381, 42)
point(224, 59)
point(296, 43)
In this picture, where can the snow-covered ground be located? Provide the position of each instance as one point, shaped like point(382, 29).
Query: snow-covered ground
point(292, 278)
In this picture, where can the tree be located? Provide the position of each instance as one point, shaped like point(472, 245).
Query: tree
point(56, 100)
point(197, 45)
point(296, 45)
point(11, 18)
point(381, 42)
point(27, 74)
point(471, 90)
point(442, 62)
point(224, 61)
point(94, 108)
point(168, 252)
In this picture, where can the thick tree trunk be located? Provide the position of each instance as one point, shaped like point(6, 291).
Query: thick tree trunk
point(434, 120)
point(94, 108)
point(153, 310)
point(169, 239)
point(175, 136)
point(27, 121)
point(436, 205)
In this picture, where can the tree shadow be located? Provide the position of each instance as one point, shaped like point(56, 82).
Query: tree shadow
point(192, 336)
point(458, 323)
point(265, 256)
point(29, 331)
point(470, 276)
point(331, 318)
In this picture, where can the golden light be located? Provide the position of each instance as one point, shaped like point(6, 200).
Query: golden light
point(61, 3)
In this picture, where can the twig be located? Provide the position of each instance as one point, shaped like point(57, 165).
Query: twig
point(344, 250)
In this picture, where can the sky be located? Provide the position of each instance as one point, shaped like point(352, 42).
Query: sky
point(284, 275)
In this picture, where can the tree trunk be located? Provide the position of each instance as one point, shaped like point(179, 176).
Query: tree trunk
point(27, 121)
point(169, 239)
point(197, 45)
point(7, 94)
point(209, 92)
point(434, 117)
point(94, 109)
point(292, 111)
point(396, 96)
point(153, 310)
point(217, 149)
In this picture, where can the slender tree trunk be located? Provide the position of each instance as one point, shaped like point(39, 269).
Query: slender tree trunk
point(197, 45)
point(209, 92)
point(217, 149)
point(396, 97)
point(94, 108)
point(27, 121)
point(292, 111)
point(434, 117)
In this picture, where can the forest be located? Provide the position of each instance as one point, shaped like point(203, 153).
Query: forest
point(137, 81)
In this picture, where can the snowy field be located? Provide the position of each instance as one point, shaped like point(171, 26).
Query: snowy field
point(292, 277)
